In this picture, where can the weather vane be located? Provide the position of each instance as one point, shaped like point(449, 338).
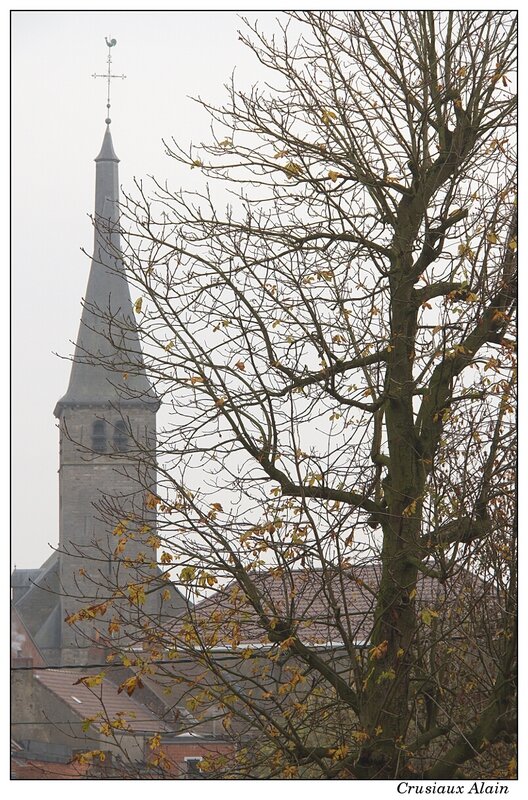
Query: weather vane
point(109, 43)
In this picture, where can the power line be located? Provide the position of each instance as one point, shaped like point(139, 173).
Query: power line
point(70, 722)
point(174, 662)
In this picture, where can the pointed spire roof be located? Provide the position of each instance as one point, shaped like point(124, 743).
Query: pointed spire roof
point(107, 148)
point(108, 364)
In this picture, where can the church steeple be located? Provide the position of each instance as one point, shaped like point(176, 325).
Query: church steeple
point(107, 427)
point(108, 364)
point(107, 423)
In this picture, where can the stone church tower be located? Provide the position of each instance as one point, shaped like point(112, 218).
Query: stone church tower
point(107, 419)
point(107, 424)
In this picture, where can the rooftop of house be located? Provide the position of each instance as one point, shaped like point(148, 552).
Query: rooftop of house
point(320, 608)
point(88, 701)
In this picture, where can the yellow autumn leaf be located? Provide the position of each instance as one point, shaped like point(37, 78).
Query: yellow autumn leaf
point(86, 758)
point(492, 238)
point(465, 251)
point(409, 510)
point(378, 651)
point(154, 742)
point(187, 574)
point(360, 736)
point(151, 500)
point(327, 116)
point(136, 594)
point(138, 305)
point(114, 625)
point(99, 609)
point(325, 274)
point(333, 175)
point(387, 675)
point(130, 685)
point(512, 244)
point(121, 545)
point(427, 615)
point(339, 752)
point(91, 680)
point(120, 528)
point(292, 169)
point(196, 163)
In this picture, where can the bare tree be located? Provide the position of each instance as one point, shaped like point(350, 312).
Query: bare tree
point(337, 356)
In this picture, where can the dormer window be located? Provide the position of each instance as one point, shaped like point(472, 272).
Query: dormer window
point(99, 436)
point(121, 438)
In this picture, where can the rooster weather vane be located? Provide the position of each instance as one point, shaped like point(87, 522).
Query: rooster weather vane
point(109, 43)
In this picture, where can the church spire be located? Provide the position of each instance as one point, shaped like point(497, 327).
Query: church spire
point(108, 364)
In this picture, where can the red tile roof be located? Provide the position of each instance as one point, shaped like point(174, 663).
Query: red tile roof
point(86, 702)
point(45, 770)
point(318, 608)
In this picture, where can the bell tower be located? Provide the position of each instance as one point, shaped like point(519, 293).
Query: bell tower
point(107, 424)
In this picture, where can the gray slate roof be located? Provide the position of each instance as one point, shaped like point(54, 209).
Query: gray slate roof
point(108, 364)
point(39, 605)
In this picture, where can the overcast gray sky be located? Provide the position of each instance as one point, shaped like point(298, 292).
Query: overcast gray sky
point(58, 113)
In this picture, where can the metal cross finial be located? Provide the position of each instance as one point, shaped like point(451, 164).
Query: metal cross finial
point(110, 43)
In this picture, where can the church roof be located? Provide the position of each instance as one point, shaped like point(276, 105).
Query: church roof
point(108, 365)
point(22, 579)
point(22, 643)
point(40, 599)
point(107, 148)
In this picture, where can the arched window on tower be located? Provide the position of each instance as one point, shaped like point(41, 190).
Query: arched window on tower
point(99, 436)
point(121, 438)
